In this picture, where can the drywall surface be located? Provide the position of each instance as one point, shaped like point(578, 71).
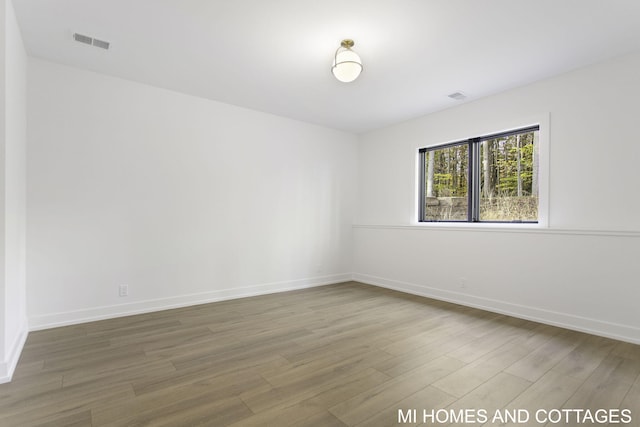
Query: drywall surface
point(184, 200)
point(578, 268)
point(13, 319)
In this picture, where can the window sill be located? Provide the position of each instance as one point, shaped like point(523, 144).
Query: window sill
point(499, 228)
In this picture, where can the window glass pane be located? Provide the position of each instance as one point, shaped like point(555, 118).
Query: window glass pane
point(446, 173)
point(509, 178)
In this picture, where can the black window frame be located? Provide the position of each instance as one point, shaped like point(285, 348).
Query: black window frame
point(473, 177)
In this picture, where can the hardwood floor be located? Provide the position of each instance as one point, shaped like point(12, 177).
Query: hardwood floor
point(340, 355)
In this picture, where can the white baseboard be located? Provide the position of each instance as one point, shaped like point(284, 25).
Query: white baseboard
point(47, 321)
point(8, 366)
point(563, 320)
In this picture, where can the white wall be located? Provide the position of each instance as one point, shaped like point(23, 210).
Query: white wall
point(580, 272)
point(184, 199)
point(188, 200)
point(13, 320)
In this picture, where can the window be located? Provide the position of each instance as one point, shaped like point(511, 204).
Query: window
point(492, 178)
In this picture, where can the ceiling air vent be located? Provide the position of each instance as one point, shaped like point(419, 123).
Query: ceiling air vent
point(458, 96)
point(90, 41)
point(82, 38)
point(101, 43)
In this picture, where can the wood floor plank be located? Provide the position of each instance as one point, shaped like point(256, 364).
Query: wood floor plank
point(319, 388)
point(349, 387)
point(145, 407)
point(46, 407)
point(64, 419)
point(336, 364)
point(494, 334)
point(369, 403)
point(113, 374)
point(428, 397)
point(198, 410)
point(474, 374)
point(607, 386)
point(294, 415)
point(413, 359)
point(246, 370)
point(491, 396)
point(547, 393)
point(324, 419)
point(631, 401)
point(585, 358)
point(18, 389)
point(339, 355)
point(542, 359)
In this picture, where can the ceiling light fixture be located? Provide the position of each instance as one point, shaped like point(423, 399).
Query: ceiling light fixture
point(347, 65)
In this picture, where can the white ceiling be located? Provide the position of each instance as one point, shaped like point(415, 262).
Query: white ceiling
point(275, 55)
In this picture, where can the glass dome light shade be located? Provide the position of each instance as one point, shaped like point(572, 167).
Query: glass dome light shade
point(347, 65)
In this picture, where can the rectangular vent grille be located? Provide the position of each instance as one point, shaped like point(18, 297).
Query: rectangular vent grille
point(82, 38)
point(90, 41)
point(101, 43)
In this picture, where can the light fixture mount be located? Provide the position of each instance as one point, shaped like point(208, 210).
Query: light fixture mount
point(347, 43)
point(347, 65)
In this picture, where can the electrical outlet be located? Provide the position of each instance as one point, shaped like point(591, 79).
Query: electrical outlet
point(463, 283)
point(123, 290)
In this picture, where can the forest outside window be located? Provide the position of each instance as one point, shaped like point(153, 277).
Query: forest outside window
point(491, 178)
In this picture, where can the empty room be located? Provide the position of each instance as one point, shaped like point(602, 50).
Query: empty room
point(337, 213)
